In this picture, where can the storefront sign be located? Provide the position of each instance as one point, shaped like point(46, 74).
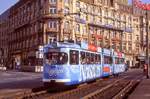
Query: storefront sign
point(141, 58)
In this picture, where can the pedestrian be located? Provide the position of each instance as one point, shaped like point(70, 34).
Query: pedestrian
point(145, 69)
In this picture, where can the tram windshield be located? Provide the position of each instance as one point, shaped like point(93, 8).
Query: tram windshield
point(119, 61)
point(56, 58)
point(107, 60)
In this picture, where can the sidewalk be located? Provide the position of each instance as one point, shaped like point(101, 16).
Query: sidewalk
point(142, 91)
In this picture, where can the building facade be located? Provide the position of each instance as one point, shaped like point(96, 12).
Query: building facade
point(141, 33)
point(128, 36)
point(30, 24)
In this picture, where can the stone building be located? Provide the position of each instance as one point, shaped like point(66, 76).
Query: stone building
point(30, 24)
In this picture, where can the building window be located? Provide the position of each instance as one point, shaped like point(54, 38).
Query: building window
point(78, 4)
point(66, 25)
point(52, 24)
point(100, 12)
point(66, 10)
point(130, 37)
point(52, 1)
point(66, 1)
point(111, 3)
point(84, 30)
point(78, 28)
point(137, 37)
point(52, 10)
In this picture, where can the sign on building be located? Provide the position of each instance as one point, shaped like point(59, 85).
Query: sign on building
point(40, 52)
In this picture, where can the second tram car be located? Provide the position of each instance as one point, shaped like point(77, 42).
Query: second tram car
point(119, 62)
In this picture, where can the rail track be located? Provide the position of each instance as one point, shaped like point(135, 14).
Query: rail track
point(114, 88)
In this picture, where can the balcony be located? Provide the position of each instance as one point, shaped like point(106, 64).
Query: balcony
point(52, 16)
point(80, 20)
point(107, 38)
point(55, 30)
point(85, 36)
point(67, 31)
point(128, 52)
point(97, 36)
point(116, 39)
point(128, 30)
point(138, 42)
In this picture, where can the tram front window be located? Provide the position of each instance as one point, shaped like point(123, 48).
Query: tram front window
point(56, 58)
point(74, 57)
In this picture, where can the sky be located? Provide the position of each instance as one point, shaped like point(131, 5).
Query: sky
point(5, 4)
point(145, 1)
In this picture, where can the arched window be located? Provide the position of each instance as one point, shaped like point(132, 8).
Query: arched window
point(78, 27)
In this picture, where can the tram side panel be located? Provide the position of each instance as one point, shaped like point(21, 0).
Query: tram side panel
point(118, 62)
point(106, 66)
point(107, 63)
point(90, 70)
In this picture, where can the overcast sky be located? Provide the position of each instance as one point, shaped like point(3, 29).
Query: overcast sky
point(5, 4)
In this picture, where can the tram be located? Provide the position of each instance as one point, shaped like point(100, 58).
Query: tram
point(119, 62)
point(72, 64)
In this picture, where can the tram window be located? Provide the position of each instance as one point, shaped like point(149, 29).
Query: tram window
point(83, 57)
point(56, 58)
point(74, 57)
point(121, 60)
point(92, 58)
point(98, 59)
point(116, 60)
point(107, 60)
point(88, 58)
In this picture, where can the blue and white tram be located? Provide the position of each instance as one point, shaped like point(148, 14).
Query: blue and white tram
point(119, 62)
point(107, 62)
point(69, 64)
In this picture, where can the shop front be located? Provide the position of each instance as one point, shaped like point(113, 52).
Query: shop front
point(33, 62)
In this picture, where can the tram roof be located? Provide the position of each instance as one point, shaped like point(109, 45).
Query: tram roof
point(63, 45)
point(82, 46)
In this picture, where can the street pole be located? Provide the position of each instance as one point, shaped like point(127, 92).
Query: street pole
point(60, 36)
point(147, 45)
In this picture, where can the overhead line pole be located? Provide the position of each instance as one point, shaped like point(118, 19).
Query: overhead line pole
point(147, 45)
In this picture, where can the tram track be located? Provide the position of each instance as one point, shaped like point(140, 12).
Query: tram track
point(74, 93)
point(116, 90)
point(106, 89)
point(86, 90)
point(42, 92)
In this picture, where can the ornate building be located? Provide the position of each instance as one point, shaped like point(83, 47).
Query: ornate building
point(30, 24)
point(127, 23)
point(140, 33)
